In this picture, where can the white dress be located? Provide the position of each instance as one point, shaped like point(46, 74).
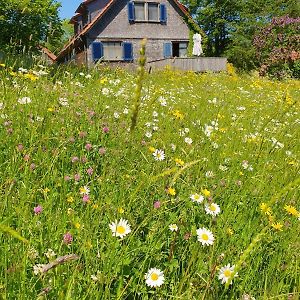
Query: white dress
point(197, 49)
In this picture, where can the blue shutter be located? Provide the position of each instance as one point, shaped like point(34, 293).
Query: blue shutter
point(130, 8)
point(127, 52)
point(97, 50)
point(163, 13)
point(167, 50)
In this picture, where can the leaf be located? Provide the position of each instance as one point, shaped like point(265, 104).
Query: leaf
point(13, 233)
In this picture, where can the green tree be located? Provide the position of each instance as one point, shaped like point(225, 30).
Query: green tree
point(27, 23)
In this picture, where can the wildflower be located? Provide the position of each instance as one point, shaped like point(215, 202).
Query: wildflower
point(68, 238)
point(50, 254)
point(38, 209)
point(229, 231)
point(159, 155)
point(212, 209)
point(277, 226)
point(39, 268)
point(206, 193)
point(209, 174)
point(205, 236)
point(179, 162)
point(173, 227)
point(86, 198)
point(120, 229)
point(24, 100)
point(197, 198)
point(77, 225)
point(88, 147)
point(90, 171)
point(63, 102)
point(116, 115)
point(121, 210)
point(154, 277)
point(77, 177)
point(188, 140)
point(265, 208)
point(171, 191)
point(74, 159)
point(70, 199)
point(151, 149)
point(102, 151)
point(291, 210)
point(84, 190)
point(156, 204)
point(105, 129)
point(148, 134)
point(177, 114)
point(226, 273)
point(33, 253)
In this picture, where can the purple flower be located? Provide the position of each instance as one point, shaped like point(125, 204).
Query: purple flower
point(84, 159)
point(82, 134)
point(74, 159)
point(26, 157)
point(38, 209)
point(156, 204)
point(20, 147)
point(68, 238)
point(105, 129)
point(67, 178)
point(77, 177)
point(32, 166)
point(86, 198)
point(88, 147)
point(71, 139)
point(102, 151)
point(90, 171)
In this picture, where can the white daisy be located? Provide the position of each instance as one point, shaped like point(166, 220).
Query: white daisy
point(120, 229)
point(226, 272)
point(148, 134)
point(84, 190)
point(24, 100)
point(197, 198)
point(159, 154)
point(212, 209)
point(205, 236)
point(188, 140)
point(173, 227)
point(154, 277)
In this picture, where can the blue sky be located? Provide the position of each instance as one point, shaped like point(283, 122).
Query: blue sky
point(68, 8)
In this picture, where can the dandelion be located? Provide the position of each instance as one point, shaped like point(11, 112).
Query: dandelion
point(159, 155)
point(291, 210)
point(173, 227)
point(265, 208)
point(206, 193)
point(154, 277)
point(120, 229)
point(171, 191)
point(226, 272)
point(197, 198)
point(212, 209)
point(205, 236)
point(179, 162)
point(277, 226)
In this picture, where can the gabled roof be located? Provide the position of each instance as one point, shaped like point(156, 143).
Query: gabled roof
point(51, 55)
point(77, 37)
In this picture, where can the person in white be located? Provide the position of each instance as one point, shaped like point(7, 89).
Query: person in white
point(197, 49)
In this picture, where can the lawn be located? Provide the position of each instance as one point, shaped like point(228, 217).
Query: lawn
point(200, 200)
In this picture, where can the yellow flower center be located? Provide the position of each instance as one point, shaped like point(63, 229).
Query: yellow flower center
point(204, 237)
point(154, 276)
point(121, 229)
point(212, 207)
point(227, 273)
point(197, 197)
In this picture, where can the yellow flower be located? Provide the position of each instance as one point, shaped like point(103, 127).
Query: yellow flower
point(77, 225)
point(277, 226)
point(31, 77)
point(70, 199)
point(291, 210)
point(171, 191)
point(50, 109)
point(46, 190)
point(120, 210)
point(229, 231)
point(206, 192)
point(265, 209)
point(103, 80)
point(178, 115)
point(271, 218)
point(2, 65)
point(179, 162)
point(95, 206)
point(151, 149)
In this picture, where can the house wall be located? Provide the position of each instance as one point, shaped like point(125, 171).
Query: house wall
point(95, 7)
point(114, 26)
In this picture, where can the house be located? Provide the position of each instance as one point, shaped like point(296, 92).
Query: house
point(47, 56)
point(111, 30)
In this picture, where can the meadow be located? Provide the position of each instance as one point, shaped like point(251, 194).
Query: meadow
point(200, 200)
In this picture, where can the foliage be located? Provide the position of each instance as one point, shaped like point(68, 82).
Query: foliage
point(25, 24)
point(278, 47)
point(70, 167)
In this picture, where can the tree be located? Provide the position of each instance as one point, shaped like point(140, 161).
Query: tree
point(27, 23)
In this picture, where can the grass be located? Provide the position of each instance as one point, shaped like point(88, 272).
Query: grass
point(244, 152)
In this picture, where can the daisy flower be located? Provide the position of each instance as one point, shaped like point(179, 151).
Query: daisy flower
point(84, 190)
point(226, 272)
point(154, 277)
point(212, 209)
point(197, 198)
point(188, 140)
point(205, 236)
point(159, 154)
point(120, 229)
point(173, 227)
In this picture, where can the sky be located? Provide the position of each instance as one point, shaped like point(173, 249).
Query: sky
point(68, 8)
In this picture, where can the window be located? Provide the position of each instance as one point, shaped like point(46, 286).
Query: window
point(179, 49)
point(112, 50)
point(144, 11)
